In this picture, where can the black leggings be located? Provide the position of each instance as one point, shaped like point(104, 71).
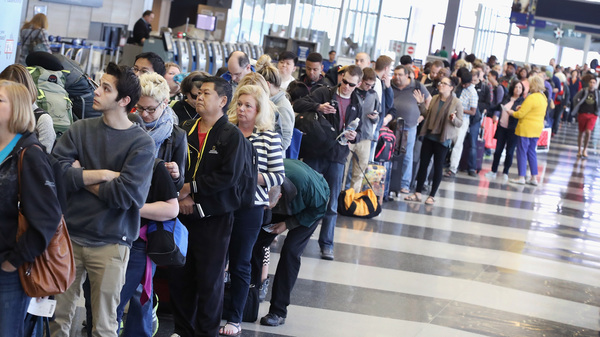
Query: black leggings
point(438, 151)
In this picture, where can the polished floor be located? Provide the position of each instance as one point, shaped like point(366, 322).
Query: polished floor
point(489, 259)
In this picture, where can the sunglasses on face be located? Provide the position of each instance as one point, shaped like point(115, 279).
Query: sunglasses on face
point(352, 85)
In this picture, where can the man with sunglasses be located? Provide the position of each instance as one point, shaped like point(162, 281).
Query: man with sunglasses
point(340, 105)
point(371, 108)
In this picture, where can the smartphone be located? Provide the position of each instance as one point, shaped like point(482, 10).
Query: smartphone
point(268, 228)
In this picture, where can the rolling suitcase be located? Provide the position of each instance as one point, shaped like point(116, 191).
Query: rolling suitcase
point(463, 165)
point(395, 173)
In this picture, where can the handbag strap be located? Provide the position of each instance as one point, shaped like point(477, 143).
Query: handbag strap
point(355, 157)
point(22, 224)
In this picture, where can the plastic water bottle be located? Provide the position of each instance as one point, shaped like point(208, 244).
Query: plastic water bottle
point(351, 127)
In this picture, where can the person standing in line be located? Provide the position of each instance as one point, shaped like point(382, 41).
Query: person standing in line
point(34, 37)
point(505, 132)
point(531, 123)
point(252, 111)
point(207, 201)
point(287, 65)
point(340, 106)
point(102, 159)
point(407, 107)
point(443, 117)
point(39, 200)
point(586, 108)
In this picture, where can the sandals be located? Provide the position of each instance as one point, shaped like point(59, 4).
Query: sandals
point(237, 326)
point(413, 197)
point(449, 174)
point(404, 190)
point(430, 200)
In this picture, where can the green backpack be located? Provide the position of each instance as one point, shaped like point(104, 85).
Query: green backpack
point(53, 97)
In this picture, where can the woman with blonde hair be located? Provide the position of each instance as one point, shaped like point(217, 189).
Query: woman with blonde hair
point(38, 199)
point(44, 127)
point(529, 128)
point(34, 37)
point(252, 111)
point(285, 112)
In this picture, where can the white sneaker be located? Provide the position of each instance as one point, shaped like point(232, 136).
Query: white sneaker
point(532, 182)
point(520, 181)
point(175, 335)
point(504, 177)
point(490, 175)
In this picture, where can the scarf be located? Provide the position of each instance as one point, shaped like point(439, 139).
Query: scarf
point(161, 128)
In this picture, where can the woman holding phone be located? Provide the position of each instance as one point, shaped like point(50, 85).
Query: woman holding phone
point(505, 133)
point(443, 117)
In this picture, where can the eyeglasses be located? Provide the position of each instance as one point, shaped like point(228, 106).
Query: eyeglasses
point(352, 85)
point(143, 70)
point(371, 86)
point(141, 109)
point(194, 97)
point(444, 83)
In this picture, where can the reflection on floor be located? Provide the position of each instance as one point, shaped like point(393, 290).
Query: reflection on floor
point(489, 259)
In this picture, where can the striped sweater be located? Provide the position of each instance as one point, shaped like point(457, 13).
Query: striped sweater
point(270, 163)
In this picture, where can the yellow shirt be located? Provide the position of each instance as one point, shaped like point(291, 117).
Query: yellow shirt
point(531, 116)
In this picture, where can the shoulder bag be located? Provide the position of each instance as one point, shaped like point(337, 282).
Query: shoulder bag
point(53, 271)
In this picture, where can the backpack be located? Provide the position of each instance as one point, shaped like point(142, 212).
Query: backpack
point(385, 145)
point(80, 88)
point(318, 135)
point(249, 178)
point(53, 98)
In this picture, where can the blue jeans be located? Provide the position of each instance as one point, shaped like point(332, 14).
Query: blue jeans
point(472, 136)
point(246, 225)
point(333, 173)
point(13, 304)
point(526, 153)
point(139, 318)
point(407, 162)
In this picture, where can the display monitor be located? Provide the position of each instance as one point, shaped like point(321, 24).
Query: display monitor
point(206, 22)
point(168, 40)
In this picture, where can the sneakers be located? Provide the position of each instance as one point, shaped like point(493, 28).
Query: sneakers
point(262, 291)
point(504, 177)
point(272, 320)
point(490, 175)
point(520, 181)
point(155, 316)
point(532, 182)
point(472, 174)
point(327, 253)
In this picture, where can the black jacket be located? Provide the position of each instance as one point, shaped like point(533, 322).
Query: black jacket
point(214, 171)
point(339, 153)
point(39, 202)
point(174, 149)
point(141, 30)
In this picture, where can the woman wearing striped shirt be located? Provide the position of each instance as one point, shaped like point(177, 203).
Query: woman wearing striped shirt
point(253, 113)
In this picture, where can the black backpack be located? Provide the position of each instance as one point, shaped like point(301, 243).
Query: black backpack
point(318, 135)
point(80, 88)
point(249, 178)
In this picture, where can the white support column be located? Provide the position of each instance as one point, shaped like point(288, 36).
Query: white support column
point(529, 42)
point(586, 47)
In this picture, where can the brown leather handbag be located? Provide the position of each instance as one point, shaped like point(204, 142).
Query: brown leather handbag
point(53, 271)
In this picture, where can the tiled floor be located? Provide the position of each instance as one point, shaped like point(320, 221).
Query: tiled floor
point(489, 259)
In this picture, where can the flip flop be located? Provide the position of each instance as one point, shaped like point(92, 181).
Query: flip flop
point(237, 326)
point(449, 174)
point(413, 197)
point(430, 200)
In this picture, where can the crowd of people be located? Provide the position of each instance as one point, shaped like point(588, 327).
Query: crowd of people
point(183, 147)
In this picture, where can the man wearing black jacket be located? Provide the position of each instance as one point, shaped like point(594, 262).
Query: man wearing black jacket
point(340, 106)
point(142, 28)
point(206, 202)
